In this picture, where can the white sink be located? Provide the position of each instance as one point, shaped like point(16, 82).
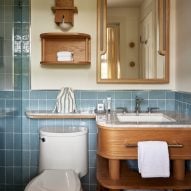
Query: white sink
point(144, 117)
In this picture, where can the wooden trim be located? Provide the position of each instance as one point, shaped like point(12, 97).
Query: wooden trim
point(167, 55)
point(65, 63)
point(162, 51)
point(76, 43)
point(65, 8)
point(131, 179)
point(101, 34)
point(162, 27)
point(134, 81)
point(64, 35)
point(112, 141)
point(102, 25)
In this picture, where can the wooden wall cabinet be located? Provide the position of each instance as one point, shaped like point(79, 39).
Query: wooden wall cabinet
point(77, 43)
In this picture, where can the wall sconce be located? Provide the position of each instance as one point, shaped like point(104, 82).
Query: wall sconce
point(64, 13)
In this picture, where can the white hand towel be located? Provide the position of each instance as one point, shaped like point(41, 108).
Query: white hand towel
point(153, 159)
point(64, 53)
point(62, 58)
point(65, 101)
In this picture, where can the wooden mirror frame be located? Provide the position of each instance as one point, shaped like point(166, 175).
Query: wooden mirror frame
point(164, 25)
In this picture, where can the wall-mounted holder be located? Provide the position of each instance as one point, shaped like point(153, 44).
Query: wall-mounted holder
point(75, 46)
point(64, 13)
point(131, 44)
point(132, 64)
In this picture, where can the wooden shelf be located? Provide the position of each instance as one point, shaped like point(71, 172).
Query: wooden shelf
point(77, 43)
point(64, 63)
point(51, 115)
point(130, 179)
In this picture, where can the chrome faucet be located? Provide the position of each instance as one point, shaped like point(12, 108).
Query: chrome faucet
point(138, 102)
point(152, 109)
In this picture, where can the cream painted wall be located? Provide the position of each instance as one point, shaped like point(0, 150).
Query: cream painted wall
point(42, 20)
point(183, 45)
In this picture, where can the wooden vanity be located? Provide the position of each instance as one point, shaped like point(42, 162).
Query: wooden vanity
point(116, 145)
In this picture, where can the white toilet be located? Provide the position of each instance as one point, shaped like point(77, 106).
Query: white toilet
point(63, 160)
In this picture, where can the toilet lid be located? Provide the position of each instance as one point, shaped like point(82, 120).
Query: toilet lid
point(55, 180)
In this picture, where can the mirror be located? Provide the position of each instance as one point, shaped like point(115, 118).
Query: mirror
point(133, 41)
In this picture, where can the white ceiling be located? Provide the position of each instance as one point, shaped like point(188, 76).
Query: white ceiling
point(124, 3)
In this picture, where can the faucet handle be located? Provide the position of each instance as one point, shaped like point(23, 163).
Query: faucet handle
point(152, 109)
point(139, 99)
point(122, 109)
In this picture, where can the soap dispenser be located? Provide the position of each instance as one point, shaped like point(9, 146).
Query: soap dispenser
point(108, 103)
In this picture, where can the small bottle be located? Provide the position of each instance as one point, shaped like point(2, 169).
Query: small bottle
point(108, 104)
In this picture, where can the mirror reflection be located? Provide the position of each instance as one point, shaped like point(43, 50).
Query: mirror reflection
point(132, 43)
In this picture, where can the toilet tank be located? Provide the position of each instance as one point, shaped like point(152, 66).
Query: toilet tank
point(63, 148)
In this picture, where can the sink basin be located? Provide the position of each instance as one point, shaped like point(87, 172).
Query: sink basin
point(144, 117)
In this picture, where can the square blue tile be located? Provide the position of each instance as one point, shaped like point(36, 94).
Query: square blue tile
point(123, 94)
point(157, 94)
point(9, 157)
point(52, 94)
point(90, 95)
point(18, 177)
point(101, 95)
point(17, 141)
point(140, 93)
point(2, 175)
point(26, 142)
point(34, 141)
point(92, 172)
point(92, 141)
point(25, 158)
point(17, 158)
point(25, 174)
point(9, 141)
point(92, 159)
point(170, 94)
point(34, 158)
point(40, 94)
point(2, 158)
point(9, 175)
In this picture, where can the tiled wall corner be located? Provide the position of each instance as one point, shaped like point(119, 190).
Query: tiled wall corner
point(183, 102)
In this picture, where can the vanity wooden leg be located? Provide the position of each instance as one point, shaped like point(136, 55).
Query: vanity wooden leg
point(114, 169)
point(179, 169)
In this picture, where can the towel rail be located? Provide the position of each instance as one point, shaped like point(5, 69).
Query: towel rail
point(169, 145)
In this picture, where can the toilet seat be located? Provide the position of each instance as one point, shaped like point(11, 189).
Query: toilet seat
point(55, 180)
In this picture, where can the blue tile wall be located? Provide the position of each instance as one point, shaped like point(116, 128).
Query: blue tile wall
point(183, 102)
point(46, 100)
point(11, 124)
point(183, 105)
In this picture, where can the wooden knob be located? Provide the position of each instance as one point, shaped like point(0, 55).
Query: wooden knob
point(132, 64)
point(131, 44)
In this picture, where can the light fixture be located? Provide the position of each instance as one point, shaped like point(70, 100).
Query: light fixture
point(64, 13)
